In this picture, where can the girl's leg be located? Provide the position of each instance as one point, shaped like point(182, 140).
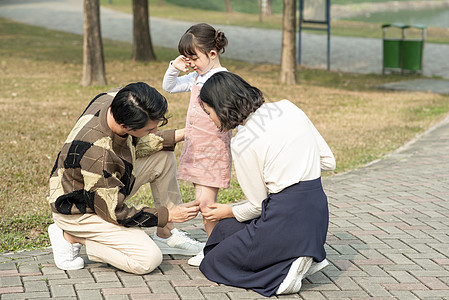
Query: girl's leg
point(206, 195)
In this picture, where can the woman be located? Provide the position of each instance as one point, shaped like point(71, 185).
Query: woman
point(269, 243)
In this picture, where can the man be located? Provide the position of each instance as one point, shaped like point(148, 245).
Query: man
point(97, 170)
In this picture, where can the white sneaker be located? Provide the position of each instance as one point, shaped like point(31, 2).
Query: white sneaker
point(65, 254)
point(197, 259)
point(293, 281)
point(178, 243)
point(316, 267)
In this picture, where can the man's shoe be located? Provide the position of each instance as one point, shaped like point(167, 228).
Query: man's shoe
point(66, 255)
point(178, 243)
point(197, 259)
point(293, 281)
point(316, 267)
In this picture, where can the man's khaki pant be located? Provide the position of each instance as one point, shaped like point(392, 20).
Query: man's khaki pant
point(128, 249)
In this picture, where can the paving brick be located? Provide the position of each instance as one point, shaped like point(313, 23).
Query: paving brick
point(35, 286)
point(82, 273)
point(133, 281)
point(403, 277)
point(30, 268)
point(243, 294)
point(219, 289)
point(169, 269)
point(89, 295)
point(346, 283)
point(33, 295)
point(345, 265)
point(405, 286)
point(193, 273)
point(400, 259)
point(404, 295)
point(433, 294)
point(155, 297)
point(216, 296)
point(189, 293)
point(161, 277)
point(160, 287)
point(11, 289)
point(97, 285)
point(126, 291)
point(374, 270)
point(64, 290)
point(193, 283)
point(10, 281)
point(376, 290)
point(344, 294)
point(434, 283)
point(105, 276)
point(428, 264)
point(310, 295)
point(116, 297)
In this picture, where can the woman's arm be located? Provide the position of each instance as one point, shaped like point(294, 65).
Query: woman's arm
point(249, 166)
point(327, 159)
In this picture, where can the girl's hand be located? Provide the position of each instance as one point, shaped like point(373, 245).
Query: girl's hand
point(217, 212)
point(181, 63)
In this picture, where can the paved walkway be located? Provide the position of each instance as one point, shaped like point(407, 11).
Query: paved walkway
point(388, 235)
point(359, 55)
point(388, 238)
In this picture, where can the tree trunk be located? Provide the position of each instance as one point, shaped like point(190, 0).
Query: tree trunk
point(93, 58)
point(228, 6)
point(266, 8)
point(288, 55)
point(142, 46)
point(160, 3)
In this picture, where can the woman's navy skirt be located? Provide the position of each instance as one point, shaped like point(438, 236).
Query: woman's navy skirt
point(257, 254)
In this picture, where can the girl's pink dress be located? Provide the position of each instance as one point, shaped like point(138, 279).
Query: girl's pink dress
point(206, 154)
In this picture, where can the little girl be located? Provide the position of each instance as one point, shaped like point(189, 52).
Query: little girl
point(205, 158)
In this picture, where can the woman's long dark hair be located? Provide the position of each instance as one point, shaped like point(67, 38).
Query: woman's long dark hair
point(232, 98)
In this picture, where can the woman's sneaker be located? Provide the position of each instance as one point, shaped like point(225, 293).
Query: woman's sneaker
point(197, 259)
point(178, 243)
point(293, 281)
point(316, 267)
point(65, 254)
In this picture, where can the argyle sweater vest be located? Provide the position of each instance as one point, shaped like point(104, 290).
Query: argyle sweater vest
point(93, 172)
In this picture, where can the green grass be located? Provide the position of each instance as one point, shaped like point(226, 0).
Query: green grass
point(41, 98)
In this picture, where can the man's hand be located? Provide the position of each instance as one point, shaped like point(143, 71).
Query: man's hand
point(183, 212)
point(181, 63)
point(217, 212)
point(179, 135)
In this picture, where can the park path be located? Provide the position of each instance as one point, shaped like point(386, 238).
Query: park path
point(388, 239)
point(388, 232)
point(348, 54)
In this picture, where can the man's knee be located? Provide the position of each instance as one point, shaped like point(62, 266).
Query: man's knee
point(147, 263)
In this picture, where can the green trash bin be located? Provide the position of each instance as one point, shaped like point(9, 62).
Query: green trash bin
point(401, 54)
point(392, 48)
point(412, 51)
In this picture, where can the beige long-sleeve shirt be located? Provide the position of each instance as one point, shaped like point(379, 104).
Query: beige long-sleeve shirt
point(277, 147)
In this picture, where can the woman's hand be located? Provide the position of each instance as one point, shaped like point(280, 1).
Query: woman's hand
point(181, 63)
point(183, 212)
point(217, 212)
